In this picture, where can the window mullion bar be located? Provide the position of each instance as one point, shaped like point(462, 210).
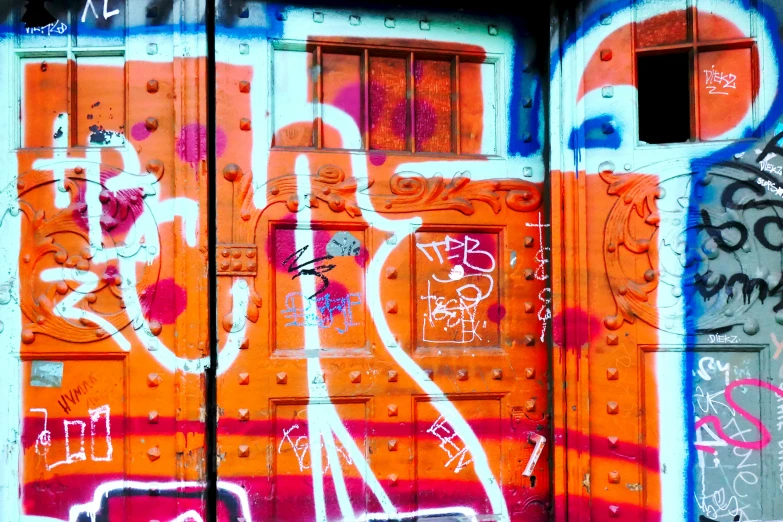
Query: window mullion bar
point(455, 120)
point(412, 104)
point(695, 112)
point(366, 98)
point(319, 97)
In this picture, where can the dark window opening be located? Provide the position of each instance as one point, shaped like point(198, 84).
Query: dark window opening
point(664, 97)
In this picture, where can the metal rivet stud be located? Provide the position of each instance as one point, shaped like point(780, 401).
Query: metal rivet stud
point(530, 405)
point(606, 55)
point(389, 22)
point(393, 480)
point(244, 124)
point(424, 25)
point(612, 374)
point(153, 453)
point(462, 375)
point(612, 441)
point(282, 378)
point(243, 450)
point(153, 380)
point(318, 17)
point(354, 20)
point(356, 377)
point(492, 30)
point(529, 274)
point(153, 417)
point(392, 444)
point(392, 376)
point(607, 92)
point(530, 340)
point(612, 339)
point(529, 241)
point(244, 87)
point(497, 374)
point(244, 48)
point(232, 172)
point(392, 410)
point(527, 172)
point(152, 86)
point(530, 373)
point(245, 13)
point(528, 308)
point(391, 273)
point(244, 415)
point(612, 408)
point(391, 307)
point(152, 48)
point(151, 124)
point(244, 378)
point(614, 477)
point(614, 511)
point(155, 328)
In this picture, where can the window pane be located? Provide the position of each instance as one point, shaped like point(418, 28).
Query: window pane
point(477, 103)
point(342, 89)
point(712, 25)
point(388, 103)
point(44, 92)
point(293, 99)
point(664, 107)
point(44, 24)
point(432, 80)
point(725, 93)
point(100, 101)
point(661, 22)
point(99, 23)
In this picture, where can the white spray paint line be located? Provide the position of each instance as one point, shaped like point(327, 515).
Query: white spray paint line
point(322, 418)
point(91, 508)
point(669, 371)
point(468, 513)
point(401, 227)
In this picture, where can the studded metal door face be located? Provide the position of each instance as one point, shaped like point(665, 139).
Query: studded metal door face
point(382, 271)
point(103, 309)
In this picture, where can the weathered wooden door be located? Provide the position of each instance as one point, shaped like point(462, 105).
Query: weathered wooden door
point(382, 269)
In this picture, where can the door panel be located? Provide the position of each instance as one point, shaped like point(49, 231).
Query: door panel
point(384, 347)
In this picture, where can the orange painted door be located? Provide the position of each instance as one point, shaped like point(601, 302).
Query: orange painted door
point(103, 289)
point(382, 272)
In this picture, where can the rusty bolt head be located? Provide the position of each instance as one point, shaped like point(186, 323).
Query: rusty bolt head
point(152, 86)
point(232, 172)
point(153, 453)
point(356, 377)
point(244, 414)
point(153, 380)
point(429, 373)
point(530, 373)
point(392, 410)
point(606, 55)
point(244, 86)
point(391, 307)
point(612, 441)
point(244, 124)
point(244, 378)
point(614, 477)
point(393, 480)
point(243, 450)
point(528, 241)
point(27, 336)
point(155, 328)
point(530, 405)
point(151, 124)
point(282, 378)
point(614, 511)
point(528, 308)
point(245, 344)
point(392, 444)
point(612, 374)
point(530, 340)
point(224, 265)
point(391, 273)
point(612, 408)
point(392, 376)
point(612, 340)
point(462, 375)
point(236, 265)
point(497, 374)
point(78, 170)
point(153, 417)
